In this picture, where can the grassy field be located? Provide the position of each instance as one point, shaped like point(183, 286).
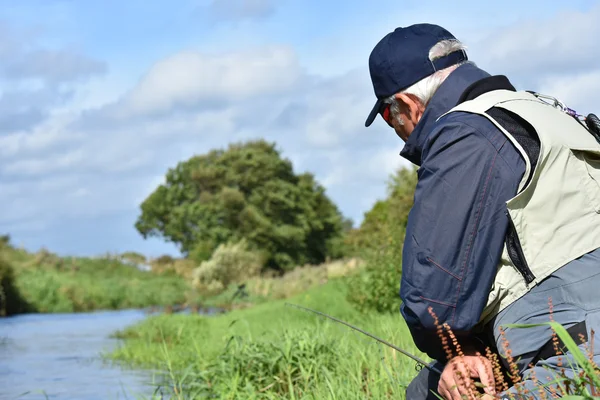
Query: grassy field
point(44, 282)
point(274, 351)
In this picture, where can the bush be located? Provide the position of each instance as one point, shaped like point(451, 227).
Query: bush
point(379, 240)
point(230, 263)
point(11, 301)
point(377, 287)
point(133, 257)
point(384, 225)
point(177, 266)
point(49, 283)
point(163, 260)
point(4, 240)
point(301, 279)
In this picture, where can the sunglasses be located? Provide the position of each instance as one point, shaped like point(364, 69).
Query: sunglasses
point(386, 113)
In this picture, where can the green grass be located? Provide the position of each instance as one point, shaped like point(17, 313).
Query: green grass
point(46, 283)
point(273, 351)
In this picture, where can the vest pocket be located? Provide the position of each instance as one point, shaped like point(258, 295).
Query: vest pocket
point(590, 160)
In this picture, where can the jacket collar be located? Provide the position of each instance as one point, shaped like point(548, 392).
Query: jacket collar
point(444, 99)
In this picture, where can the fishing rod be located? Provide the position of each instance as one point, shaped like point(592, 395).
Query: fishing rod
point(406, 353)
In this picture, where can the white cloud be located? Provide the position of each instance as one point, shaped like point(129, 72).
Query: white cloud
point(251, 89)
point(53, 66)
point(107, 159)
point(578, 91)
point(41, 138)
point(189, 78)
point(38, 166)
point(568, 41)
point(23, 58)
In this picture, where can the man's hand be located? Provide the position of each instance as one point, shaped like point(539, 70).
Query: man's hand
point(454, 387)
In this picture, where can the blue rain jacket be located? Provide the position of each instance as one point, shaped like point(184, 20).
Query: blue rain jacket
point(468, 169)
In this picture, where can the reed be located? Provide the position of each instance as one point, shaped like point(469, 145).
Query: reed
point(44, 282)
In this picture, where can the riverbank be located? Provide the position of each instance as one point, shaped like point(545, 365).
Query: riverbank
point(272, 351)
point(43, 282)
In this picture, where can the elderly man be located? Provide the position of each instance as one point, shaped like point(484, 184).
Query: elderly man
point(506, 212)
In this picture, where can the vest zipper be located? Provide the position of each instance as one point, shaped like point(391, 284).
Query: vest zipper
point(515, 252)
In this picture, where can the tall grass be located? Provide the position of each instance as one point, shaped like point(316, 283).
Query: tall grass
point(11, 301)
point(267, 287)
point(272, 351)
point(49, 283)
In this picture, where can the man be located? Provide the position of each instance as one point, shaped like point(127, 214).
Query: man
point(506, 212)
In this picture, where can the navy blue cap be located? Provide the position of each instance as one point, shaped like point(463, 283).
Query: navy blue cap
point(401, 59)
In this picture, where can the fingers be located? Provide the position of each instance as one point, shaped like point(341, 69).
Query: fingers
point(483, 369)
point(454, 382)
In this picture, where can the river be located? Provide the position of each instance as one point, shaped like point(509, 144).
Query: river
point(57, 356)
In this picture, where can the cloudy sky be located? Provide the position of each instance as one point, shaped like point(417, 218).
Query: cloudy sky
point(100, 98)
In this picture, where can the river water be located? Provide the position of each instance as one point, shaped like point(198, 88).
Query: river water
point(57, 356)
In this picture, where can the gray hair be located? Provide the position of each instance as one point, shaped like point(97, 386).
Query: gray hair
point(426, 87)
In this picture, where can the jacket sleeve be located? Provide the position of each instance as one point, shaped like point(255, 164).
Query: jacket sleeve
point(456, 229)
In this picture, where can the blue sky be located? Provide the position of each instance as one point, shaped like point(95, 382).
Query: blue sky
point(99, 99)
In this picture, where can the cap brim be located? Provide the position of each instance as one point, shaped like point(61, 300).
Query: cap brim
point(373, 113)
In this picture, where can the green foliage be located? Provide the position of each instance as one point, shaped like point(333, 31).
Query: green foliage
point(11, 301)
point(165, 259)
point(4, 240)
point(377, 287)
point(384, 225)
point(301, 279)
point(273, 351)
point(380, 239)
point(245, 192)
point(164, 328)
point(48, 283)
point(294, 361)
point(230, 264)
point(133, 257)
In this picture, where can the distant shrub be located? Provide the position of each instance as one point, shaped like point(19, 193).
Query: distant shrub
point(302, 278)
point(339, 268)
point(164, 259)
point(133, 257)
point(377, 287)
point(291, 283)
point(48, 283)
point(11, 301)
point(4, 240)
point(230, 263)
point(178, 266)
point(379, 240)
point(385, 224)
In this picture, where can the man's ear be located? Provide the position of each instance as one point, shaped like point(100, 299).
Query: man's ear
point(412, 106)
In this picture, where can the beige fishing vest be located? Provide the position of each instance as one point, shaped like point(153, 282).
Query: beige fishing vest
point(557, 215)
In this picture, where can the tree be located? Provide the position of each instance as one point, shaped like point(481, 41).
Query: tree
point(379, 240)
point(385, 224)
point(247, 191)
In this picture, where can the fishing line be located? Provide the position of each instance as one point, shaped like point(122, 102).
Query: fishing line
point(406, 353)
